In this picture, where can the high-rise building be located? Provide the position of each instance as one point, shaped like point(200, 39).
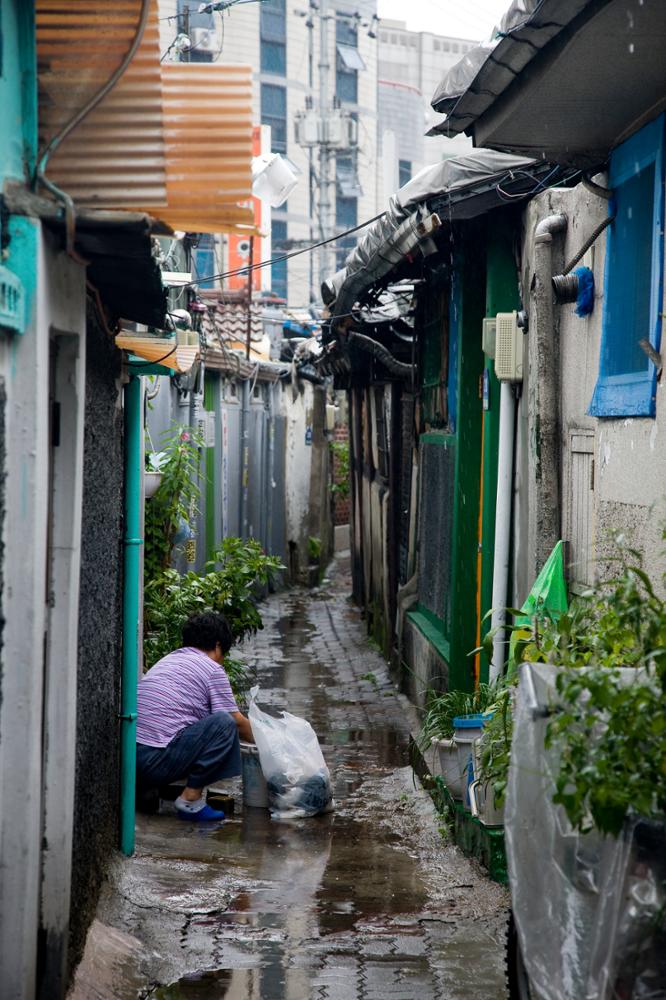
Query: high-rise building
point(410, 65)
point(283, 43)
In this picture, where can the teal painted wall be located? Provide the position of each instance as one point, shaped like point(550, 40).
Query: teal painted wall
point(18, 138)
point(18, 90)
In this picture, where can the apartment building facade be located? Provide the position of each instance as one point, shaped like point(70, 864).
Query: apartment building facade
point(410, 65)
point(282, 42)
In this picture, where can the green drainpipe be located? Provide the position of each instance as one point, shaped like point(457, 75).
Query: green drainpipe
point(131, 608)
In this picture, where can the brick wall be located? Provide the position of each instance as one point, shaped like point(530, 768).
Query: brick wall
point(341, 505)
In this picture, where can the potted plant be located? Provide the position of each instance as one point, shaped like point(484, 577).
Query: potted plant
point(437, 728)
point(487, 794)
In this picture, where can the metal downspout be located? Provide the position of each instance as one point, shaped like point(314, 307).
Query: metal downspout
point(245, 458)
point(502, 554)
point(546, 410)
point(131, 610)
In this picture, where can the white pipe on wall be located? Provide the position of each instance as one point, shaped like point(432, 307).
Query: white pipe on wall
point(502, 528)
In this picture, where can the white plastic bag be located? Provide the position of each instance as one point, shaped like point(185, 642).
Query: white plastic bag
point(299, 782)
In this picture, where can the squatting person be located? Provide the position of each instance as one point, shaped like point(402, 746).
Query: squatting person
point(188, 719)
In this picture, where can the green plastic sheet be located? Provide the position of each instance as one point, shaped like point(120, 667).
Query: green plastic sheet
point(547, 596)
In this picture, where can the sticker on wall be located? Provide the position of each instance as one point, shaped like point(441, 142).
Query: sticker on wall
point(308, 434)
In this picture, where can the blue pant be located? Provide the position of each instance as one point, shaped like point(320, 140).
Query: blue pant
point(206, 751)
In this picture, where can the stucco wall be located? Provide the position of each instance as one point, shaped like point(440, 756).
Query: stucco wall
point(629, 473)
point(100, 625)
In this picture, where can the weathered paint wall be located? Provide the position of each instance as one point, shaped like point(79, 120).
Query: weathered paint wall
point(40, 608)
point(100, 627)
point(629, 475)
point(288, 495)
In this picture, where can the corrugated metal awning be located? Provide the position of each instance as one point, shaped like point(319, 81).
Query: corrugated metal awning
point(171, 139)
point(159, 350)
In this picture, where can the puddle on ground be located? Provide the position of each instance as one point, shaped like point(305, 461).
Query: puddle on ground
point(333, 907)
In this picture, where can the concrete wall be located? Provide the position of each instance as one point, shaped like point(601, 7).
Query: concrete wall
point(100, 631)
point(626, 489)
point(307, 493)
point(43, 376)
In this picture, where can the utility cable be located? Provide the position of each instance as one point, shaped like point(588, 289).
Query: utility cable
point(592, 238)
point(286, 256)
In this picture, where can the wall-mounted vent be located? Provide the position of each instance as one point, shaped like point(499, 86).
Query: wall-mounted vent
point(508, 348)
point(12, 302)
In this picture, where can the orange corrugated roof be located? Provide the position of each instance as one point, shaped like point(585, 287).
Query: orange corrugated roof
point(172, 139)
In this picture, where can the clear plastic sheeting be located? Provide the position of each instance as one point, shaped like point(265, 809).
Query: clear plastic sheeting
point(456, 81)
point(588, 909)
point(401, 228)
point(459, 77)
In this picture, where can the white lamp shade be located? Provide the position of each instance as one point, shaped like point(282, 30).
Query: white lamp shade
point(273, 179)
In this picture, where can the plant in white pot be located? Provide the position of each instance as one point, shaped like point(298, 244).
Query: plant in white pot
point(437, 729)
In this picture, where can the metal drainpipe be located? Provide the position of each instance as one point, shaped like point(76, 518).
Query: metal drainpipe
point(131, 610)
point(546, 413)
point(270, 462)
point(245, 457)
point(502, 555)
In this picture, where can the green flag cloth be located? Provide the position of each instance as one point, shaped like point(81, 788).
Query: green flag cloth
point(547, 596)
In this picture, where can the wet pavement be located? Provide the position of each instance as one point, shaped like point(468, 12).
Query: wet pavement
point(366, 902)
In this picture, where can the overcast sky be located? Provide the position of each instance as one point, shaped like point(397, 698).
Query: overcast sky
point(473, 19)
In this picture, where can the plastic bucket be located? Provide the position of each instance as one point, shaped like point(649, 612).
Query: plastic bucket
point(255, 790)
point(449, 766)
point(466, 730)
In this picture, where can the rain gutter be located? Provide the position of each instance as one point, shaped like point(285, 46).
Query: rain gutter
point(131, 609)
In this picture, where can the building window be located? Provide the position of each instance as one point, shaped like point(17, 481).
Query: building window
point(346, 217)
point(274, 113)
point(633, 283)
point(278, 248)
point(348, 60)
point(203, 261)
point(273, 33)
point(404, 172)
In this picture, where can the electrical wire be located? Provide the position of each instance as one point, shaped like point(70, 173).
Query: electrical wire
point(286, 256)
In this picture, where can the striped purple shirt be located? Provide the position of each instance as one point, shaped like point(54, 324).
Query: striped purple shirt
point(180, 689)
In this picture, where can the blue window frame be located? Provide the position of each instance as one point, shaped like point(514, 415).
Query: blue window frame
point(203, 261)
point(274, 113)
point(273, 33)
point(633, 282)
point(279, 270)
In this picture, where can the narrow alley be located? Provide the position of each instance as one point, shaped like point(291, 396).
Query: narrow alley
point(367, 902)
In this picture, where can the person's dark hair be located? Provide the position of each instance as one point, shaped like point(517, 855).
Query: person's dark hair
point(206, 630)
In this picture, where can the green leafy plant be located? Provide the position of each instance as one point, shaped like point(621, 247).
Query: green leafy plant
point(228, 586)
point(174, 500)
point(496, 745)
point(442, 709)
point(340, 487)
point(314, 549)
point(608, 732)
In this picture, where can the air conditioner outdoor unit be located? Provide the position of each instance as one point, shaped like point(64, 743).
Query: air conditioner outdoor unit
point(508, 348)
point(204, 39)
